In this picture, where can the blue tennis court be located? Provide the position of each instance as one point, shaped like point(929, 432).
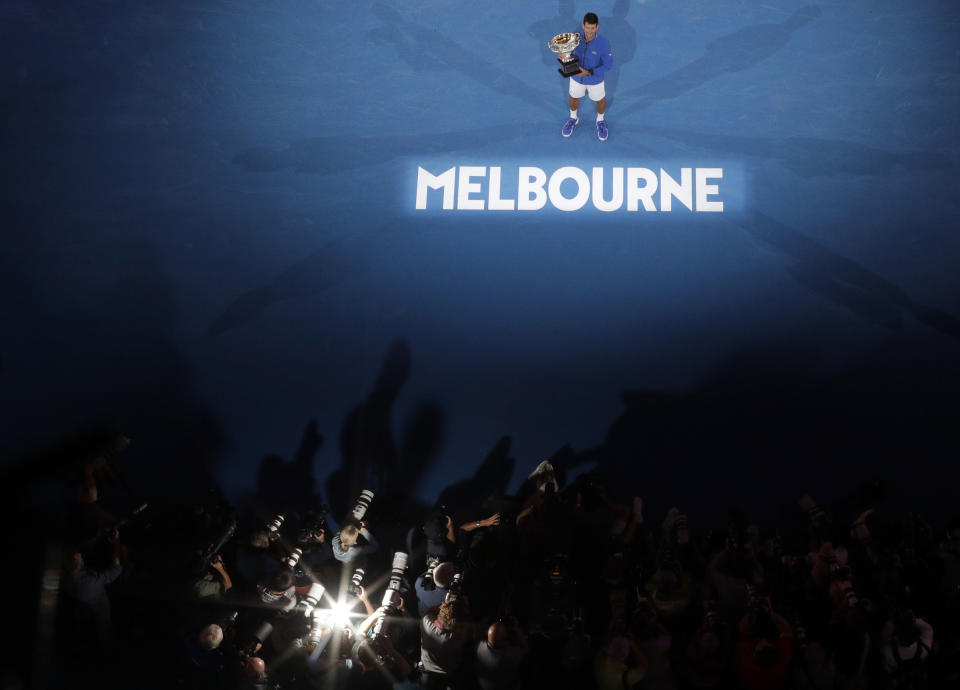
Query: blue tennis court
point(212, 226)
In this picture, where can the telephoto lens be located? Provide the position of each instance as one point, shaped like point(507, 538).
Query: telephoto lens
point(391, 598)
point(355, 581)
point(312, 599)
point(274, 525)
point(456, 588)
point(294, 558)
point(260, 635)
point(363, 503)
point(315, 635)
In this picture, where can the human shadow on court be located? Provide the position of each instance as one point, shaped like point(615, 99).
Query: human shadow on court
point(321, 270)
point(405, 48)
point(367, 448)
point(334, 154)
point(623, 40)
point(421, 441)
point(762, 427)
point(291, 486)
point(441, 52)
point(809, 156)
point(565, 461)
point(543, 30)
point(843, 281)
point(114, 350)
point(465, 499)
point(370, 459)
point(734, 52)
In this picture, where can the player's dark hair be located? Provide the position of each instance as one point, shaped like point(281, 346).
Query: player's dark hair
point(591, 18)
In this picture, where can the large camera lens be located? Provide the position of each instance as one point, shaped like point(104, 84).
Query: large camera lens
point(391, 598)
point(294, 558)
point(314, 594)
point(275, 523)
point(363, 502)
point(355, 581)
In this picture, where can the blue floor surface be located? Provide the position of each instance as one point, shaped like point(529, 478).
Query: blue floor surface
point(212, 225)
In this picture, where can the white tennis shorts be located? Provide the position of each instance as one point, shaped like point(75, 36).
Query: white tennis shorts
point(578, 90)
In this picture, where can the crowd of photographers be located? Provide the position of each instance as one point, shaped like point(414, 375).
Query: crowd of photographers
point(554, 587)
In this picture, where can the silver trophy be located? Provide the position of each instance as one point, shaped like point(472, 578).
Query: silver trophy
point(564, 45)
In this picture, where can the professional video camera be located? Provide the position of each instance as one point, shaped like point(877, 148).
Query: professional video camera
point(362, 504)
point(392, 596)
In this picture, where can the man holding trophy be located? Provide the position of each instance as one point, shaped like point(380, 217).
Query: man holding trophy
point(585, 56)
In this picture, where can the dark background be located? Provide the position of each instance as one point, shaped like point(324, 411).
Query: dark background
point(209, 241)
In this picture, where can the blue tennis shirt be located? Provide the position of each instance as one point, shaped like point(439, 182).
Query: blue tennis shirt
point(596, 55)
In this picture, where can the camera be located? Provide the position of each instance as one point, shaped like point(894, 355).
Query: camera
point(428, 584)
point(355, 581)
point(213, 547)
point(252, 644)
point(274, 525)
point(294, 558)
point(229, 620)
point(311, 600)
point(314, 637)
point(314, 527)
point(362, 504)
point(391, 597)
point(455, 590)
point(325, 634)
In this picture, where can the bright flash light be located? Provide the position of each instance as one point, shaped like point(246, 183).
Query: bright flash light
point(340, 614)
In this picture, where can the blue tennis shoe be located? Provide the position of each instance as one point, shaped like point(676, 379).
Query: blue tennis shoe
point(569, 127)
point(601, 130)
